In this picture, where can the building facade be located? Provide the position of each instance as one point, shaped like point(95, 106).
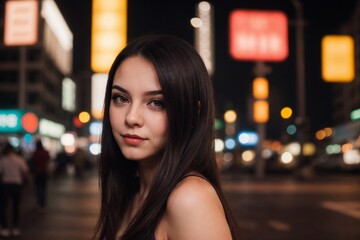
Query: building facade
point(32, 76)
point(346, 96)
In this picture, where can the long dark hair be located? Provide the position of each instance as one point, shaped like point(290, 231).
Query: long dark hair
point(189, 101)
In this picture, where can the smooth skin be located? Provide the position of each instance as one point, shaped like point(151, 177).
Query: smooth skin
point(139, 122)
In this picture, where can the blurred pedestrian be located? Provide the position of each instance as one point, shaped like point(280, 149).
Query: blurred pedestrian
point(39, 163)
point(62, 160)
point(80, 158)
point(14, 171)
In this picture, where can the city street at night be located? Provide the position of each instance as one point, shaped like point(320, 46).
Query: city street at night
point(276, 207)
point(160, 90)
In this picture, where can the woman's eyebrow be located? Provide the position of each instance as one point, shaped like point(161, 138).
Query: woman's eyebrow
point(155, 92)
point(148, 93)
point(117, 87)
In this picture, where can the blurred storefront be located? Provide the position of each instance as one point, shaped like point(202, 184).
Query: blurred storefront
point(22, 128)
point(36, 75)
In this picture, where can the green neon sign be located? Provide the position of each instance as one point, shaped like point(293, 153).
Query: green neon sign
point(355, 115)
point(10, 121)
point(18, 121)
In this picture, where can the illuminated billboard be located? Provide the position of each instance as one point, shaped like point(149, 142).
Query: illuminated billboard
point(108, 32)
point(57, 37)
point(338, 58)
point(258, 35)
point(21, 23)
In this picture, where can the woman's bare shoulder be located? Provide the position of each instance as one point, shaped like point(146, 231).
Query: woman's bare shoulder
point(190, 191)
point(194, 211)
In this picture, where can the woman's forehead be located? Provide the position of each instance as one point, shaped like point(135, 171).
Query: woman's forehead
point(137, 73)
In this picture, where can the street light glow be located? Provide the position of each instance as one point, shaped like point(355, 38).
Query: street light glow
point(219, 145)
point(286, 113)
point(230, 116)
point(286, 158)
point(196, 22)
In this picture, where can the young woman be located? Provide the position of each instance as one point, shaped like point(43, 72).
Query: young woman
point(158, 173)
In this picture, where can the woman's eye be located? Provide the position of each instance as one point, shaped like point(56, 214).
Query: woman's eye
point(157, 104)
point(119, 99)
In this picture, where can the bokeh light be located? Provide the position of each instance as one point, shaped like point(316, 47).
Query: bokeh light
point(286, 113)
point(230, 116)
point(84, 117)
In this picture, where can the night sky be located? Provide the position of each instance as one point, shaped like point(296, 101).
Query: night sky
point(232, 79)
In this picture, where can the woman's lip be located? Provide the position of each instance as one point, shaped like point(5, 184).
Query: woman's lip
point(132, 139)
point(133, 136)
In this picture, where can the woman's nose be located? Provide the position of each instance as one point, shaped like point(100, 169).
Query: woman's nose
point(134, 116)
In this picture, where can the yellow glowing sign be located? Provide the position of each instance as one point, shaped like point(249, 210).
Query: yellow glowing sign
point(21, 23)
point(261, 111)
point(338, 58)
point(260, 88)
point(108, 32)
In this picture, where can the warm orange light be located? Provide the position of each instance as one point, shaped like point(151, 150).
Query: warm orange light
point(30, 122)
point(309, 149)
point(260, 88)
point(21, 22)
point(346, 147)
point(276, 146)
point(108, 32)
point(230, 116)
point(286, 113)
point(84, 117)
point(97, 114)
point(338, 58)
point(261, 111)
point(328, 131)
point(320, 135)
point(258, 35)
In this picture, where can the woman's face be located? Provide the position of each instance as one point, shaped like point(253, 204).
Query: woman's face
point(137, 111)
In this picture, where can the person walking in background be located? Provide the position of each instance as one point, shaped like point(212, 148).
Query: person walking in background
point(39, 163)
point(62, 160)
point(79, 159)
point(13, 171)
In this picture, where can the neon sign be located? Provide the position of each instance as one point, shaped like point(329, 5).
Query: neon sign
point(18, 121)
point(258, 35)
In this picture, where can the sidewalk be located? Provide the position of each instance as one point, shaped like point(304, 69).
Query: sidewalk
point(71, 213)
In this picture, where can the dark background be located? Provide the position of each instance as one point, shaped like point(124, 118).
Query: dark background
point(232, 79)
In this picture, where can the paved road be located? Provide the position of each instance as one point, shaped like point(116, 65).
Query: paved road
point(273, 208)
point(282, 208)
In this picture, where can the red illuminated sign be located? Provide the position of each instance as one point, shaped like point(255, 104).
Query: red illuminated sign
point(258, 35)
point(30, 122)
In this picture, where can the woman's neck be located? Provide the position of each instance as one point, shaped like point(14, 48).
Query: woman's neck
point(147, 171)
